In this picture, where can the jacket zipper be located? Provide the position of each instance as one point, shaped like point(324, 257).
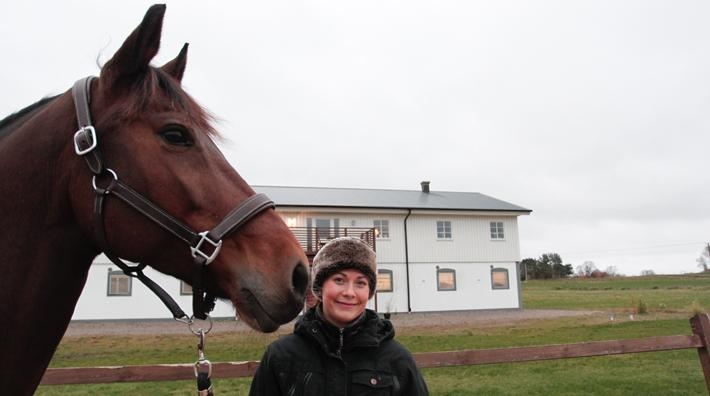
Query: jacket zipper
point(340, 347)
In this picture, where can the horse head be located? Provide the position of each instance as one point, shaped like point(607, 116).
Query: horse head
point(158, 140)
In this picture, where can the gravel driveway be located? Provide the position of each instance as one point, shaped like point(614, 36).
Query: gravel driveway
point(401, 320)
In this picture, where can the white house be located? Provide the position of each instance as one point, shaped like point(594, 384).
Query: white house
point(436, 251)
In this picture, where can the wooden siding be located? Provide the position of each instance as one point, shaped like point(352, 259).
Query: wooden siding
point(471, 253)
point(470, 240)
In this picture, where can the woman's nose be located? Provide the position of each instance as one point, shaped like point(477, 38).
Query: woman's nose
point(349, 289)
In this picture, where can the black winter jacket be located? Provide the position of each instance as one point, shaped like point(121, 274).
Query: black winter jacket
point(319, 359)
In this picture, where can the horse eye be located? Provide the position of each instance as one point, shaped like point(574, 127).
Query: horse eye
point(176, 137)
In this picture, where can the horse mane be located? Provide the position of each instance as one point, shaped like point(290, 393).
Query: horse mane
point(147, 95)
point(148, 91)
point(17, 116)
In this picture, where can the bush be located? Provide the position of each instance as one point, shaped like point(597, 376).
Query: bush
point(696, 308)
point(639, 306)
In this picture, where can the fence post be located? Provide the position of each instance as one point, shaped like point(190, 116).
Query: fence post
point(701, 327)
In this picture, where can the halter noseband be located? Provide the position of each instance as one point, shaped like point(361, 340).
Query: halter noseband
point(204, 246)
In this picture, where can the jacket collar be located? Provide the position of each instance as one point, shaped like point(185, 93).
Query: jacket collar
point(367, 331)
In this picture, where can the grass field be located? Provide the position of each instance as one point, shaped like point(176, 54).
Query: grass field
point(668, 300)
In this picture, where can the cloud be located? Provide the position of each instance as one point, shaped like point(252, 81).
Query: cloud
point(592, 114)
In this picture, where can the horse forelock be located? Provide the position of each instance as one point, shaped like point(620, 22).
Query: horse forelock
point(153, 89)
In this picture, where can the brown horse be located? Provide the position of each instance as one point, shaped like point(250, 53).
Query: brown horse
point(154, 138)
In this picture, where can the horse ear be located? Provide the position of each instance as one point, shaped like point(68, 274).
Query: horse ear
point(136, 52)
point(176, 67)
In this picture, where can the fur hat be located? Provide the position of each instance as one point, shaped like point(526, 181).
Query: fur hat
point(344, 253)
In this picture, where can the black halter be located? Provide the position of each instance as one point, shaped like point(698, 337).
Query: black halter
point(204, 246)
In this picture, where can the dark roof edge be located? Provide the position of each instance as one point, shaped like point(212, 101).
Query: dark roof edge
point(361, 189)
point(404, 208)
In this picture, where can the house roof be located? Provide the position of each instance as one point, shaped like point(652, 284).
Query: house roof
point(385, 199)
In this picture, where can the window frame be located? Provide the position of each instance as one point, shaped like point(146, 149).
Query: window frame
point(183, 288)
point(497, 230)
point(386, 273)
point(500, 270)
point(443, 225)
point(441, 271)
point(118, 275)
point(383, 227)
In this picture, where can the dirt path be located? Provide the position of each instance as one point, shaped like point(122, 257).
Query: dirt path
point(402, 320)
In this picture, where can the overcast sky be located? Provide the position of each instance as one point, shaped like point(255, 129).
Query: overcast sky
point(594, 114)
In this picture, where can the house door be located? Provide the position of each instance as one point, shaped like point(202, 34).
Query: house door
point(324, 230)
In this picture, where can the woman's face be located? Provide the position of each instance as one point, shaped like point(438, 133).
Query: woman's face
point(345, 295)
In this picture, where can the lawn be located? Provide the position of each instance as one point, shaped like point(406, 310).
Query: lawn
point(670, 301)
point(661, 293)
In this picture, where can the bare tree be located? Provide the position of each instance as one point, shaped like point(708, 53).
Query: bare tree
point(586, 269)
point(704, 259)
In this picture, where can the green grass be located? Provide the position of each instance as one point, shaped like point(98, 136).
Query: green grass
point(662, 293)
point(670, 299)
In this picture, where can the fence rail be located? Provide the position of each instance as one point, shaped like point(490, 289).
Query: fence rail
point(700, 340)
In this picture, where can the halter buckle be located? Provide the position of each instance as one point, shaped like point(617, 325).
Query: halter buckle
point(215, 245)
point(85, 135)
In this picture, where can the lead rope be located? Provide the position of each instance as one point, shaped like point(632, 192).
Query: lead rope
point(203, 367)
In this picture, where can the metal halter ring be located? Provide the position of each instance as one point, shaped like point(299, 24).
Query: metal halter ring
point(203, 363)
point(199, 330)
point(109, 170)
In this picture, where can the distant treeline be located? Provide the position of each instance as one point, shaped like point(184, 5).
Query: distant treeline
point(547, 266)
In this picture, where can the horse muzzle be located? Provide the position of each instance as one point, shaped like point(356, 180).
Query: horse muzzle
point(266, 312)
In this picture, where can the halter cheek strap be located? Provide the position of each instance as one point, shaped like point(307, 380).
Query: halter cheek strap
point(204, 246)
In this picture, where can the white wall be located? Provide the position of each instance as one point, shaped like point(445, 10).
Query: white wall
point(471, 253)
point(473, 288)
point(95, 304)
point(470, 240)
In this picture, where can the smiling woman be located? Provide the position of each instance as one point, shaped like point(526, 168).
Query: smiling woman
point(339, 347)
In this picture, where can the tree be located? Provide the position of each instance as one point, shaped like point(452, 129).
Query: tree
point(554, 262)
point(540, 270)
point(526, 267)
point(562, 270)
point(611, 271)
point(704, 259)
point(547, 266)
point(586, 269)
point(647, 273)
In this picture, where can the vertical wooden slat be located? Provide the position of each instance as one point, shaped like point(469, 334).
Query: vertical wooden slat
point(701, 327)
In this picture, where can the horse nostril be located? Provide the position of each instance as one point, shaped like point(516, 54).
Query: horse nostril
point(300, 280)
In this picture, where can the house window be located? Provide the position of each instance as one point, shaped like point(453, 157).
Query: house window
point(499, 278)
point(185, 289)
point(497, 230)
point(384, 280)
point(323, 230)
point(119, 284)
point(443, 230)
point(445, 279)
point(382, 228)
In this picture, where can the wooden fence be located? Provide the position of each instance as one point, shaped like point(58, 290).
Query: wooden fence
point(700, 340)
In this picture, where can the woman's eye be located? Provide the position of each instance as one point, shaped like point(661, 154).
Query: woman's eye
point(176, 137)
